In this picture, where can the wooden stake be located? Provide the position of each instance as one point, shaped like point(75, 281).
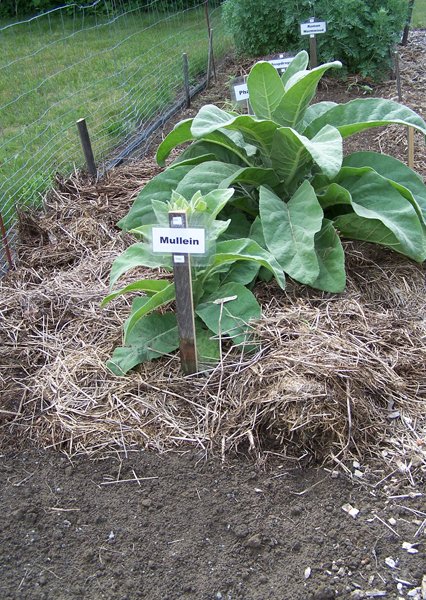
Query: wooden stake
point(313, 61)
point(248, 105)
point(6, 243)
point(184, 300)
point(206, 10)
point(410, 131)
point(397, 75)
point(186, 79)
point(211, 61)
point(404, 39)
point(87, 147)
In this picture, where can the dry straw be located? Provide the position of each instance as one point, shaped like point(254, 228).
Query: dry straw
point(333, 376)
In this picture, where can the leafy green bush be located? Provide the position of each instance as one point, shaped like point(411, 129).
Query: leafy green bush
point(294, 195)
point(360, 32)
point(233, 264)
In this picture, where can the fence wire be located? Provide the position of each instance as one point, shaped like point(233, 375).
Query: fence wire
point(115, 66)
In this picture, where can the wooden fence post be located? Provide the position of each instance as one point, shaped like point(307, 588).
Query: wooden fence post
point(404, 39)
point(87, 147)
point(6, 243)
point(211, 66)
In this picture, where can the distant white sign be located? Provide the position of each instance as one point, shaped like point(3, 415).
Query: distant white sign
point(188, 240)
point(281, 63)
point(313, 27)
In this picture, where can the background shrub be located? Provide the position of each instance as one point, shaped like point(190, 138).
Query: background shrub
point(360, 32)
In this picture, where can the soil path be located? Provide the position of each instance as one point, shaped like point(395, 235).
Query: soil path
point(177, 527)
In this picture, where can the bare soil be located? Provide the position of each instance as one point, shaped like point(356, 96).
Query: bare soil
point(181, 524)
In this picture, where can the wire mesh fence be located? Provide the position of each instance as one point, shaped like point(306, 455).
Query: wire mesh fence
point(118, 65)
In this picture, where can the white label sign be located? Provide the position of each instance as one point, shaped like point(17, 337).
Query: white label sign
point(188, 240)
point(241, 92)
point(281, 63)
point(312, 27)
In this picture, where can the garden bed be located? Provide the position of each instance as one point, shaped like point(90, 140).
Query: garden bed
point(336, 380)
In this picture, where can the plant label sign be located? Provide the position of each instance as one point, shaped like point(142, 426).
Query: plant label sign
point(281, 61)
point(187, 240)
point(239, 89)
point(313, 27)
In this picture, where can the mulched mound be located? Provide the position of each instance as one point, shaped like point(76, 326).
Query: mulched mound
point(333, 377)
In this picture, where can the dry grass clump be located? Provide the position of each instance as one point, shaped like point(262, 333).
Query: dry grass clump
point(333, 376)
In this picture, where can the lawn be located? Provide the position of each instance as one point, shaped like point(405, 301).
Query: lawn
point(419, 14)
point(117, 73)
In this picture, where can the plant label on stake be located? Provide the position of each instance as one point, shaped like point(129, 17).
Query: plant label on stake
point(182, 241)
point(281, 61)
point(239, 89)
point(240, 92)
point(312, 27)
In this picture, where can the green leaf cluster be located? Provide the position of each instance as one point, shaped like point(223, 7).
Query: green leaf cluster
point(224, 305)
point(276, 195)
point(360, 32)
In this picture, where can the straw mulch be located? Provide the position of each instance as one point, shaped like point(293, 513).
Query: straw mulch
point(333, 376)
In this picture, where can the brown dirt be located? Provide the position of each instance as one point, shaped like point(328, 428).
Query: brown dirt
point(133, 524)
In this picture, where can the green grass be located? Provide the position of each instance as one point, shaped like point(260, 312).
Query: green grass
point(117, 76)
point(419, 14)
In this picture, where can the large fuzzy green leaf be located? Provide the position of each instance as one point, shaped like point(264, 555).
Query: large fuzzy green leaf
point(266, 89)
point(230, 318)
point(290, 228)
point(299, 91)
point(154, 336)
point(395, 171)
point(159, 188)
point(149, 286)
point(259, 132)
point(363, 113)
point(314, 111)
point(333, 195)
point(299, 63)
point(375, 198)
point(180, 133)
point(220, 143)
point(137, 255)
point(231, 251)
point(241, 272)
point(205, 178)
point(216, 200)
point(254, 176)
point(293, 153)
point(199, 152)
point(208, 349)
point(331, 260)
point(153, 302)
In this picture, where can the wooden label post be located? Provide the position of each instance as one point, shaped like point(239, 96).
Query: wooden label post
point(312, 27)
point(410, 130)
point(184, 300)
